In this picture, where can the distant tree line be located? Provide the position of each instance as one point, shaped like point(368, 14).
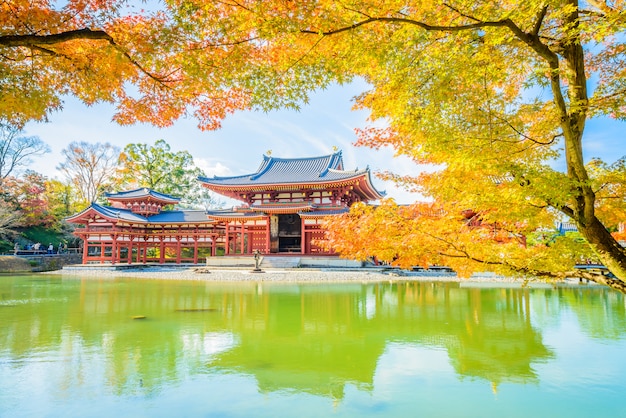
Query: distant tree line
point(33, 206)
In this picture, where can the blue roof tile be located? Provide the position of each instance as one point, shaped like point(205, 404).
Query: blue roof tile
point(179, 216)
point(173, 216)
point(122, 214)
point(291, 170)
point(141, 193)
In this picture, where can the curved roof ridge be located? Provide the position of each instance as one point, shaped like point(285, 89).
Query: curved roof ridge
point(106, 210)
point(141, 192)
point(334, 155)
point(334, 160)
point(208, 179)
point(118, 213)
point(82, 212)
point(292, 172)
point(355, 171)
point(110, 212)
point(264, 167)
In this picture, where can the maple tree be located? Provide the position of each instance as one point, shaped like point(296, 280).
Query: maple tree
point(105, 51)
point(9, 220)
point(27, 197)
point(495, 96)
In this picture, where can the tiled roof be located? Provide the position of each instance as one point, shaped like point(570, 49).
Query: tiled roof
point(173, 216)
point(282, 207)
point(291, 170)
point(115, 213)
point(142, 193)
point(322, 213)
point(179, 216)
point(233, 214)
point(201, 216)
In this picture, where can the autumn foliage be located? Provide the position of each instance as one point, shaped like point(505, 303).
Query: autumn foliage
point(106, 51)
point(27, 196)
point(427, 235)
point(490, 99)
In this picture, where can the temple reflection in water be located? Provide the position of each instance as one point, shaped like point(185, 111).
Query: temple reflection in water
point(312, 338)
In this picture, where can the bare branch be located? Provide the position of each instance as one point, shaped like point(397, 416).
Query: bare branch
point(460, 13)
point(520, 133)
point(17, 151)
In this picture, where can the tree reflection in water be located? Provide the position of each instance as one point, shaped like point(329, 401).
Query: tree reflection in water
point(306, 338)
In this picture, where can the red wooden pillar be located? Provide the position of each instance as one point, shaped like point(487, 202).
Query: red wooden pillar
point(303, 241)
point(118, 252)
point(113, 243)
point(178, 238)
point(226, 238)
point(242, 246)
point(161, 250)
point(195, 244)
point(114, 248)
point(85, 246)
point(267, 234)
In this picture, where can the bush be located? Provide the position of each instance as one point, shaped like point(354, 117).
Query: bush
point(6, 247)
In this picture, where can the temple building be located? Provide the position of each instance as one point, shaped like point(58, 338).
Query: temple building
point(283, 205)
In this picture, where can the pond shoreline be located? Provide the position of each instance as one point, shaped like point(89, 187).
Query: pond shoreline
point(303, 275)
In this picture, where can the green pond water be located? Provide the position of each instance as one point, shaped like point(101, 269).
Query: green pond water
point(69, 347)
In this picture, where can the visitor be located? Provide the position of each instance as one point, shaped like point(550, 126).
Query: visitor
point(50, 249)
point(16, 248)
point(60, 248)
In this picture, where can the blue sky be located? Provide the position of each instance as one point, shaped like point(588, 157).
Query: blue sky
point(237, 148)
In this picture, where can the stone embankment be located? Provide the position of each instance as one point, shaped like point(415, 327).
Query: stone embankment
point(37, 263)
point(12, 264)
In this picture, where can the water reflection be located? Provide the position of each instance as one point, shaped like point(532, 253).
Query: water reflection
point(314, 339)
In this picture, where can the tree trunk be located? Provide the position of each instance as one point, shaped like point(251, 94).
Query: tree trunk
point(609, 251)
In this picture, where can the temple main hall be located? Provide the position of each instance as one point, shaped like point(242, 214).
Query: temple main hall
point(283, 205)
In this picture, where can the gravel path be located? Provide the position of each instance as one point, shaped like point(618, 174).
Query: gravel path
point(296, 275)
point(232, 275)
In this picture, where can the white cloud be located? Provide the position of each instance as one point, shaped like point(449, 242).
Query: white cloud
point(212, 168)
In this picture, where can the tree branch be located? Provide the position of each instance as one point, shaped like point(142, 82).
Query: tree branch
point(425, 26)
point(35, 42)
point(518, 132)
point(531, 39)
point(540, 17)
point(596, 277)
point(13, 41)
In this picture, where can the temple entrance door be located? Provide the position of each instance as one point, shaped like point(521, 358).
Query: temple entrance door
point(289, 233)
